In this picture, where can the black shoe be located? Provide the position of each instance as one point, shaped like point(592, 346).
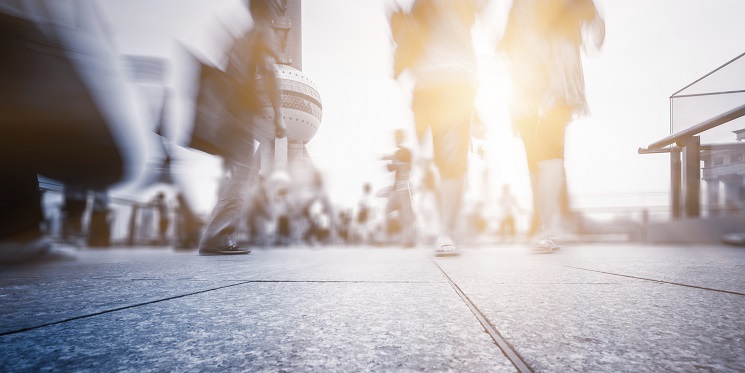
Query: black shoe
point(37, 250)
point(224, 246)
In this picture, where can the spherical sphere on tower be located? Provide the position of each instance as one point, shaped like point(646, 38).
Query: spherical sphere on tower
point(301, 107)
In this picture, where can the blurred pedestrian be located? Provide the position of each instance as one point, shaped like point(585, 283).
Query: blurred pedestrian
point(251, 70)
point(164, 220)
point(434, 43)
point(399, 210)
point(317, 211)
point(543, 40)
point(285, 217)
point(344, 226)
point(187, 224)
point(364, 222)
point(260, 213)
point(75, 204)
point(427, 203)
point(509, 206)
point(67, 114)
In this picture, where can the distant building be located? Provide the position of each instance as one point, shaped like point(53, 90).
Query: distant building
point(724, 173)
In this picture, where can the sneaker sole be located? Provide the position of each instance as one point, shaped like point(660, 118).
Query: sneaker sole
point(232, 252)
point(440, 254)
point(543, 252)
point(451, 251)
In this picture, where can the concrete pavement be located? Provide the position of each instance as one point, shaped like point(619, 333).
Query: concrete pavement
point(590, 307)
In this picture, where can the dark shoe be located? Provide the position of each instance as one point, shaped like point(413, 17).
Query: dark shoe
point(226, 247)
point(37, 250)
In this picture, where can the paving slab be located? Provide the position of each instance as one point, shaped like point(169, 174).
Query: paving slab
point(101, 280)
point(562, 319)
point(709, 266)
point(311, 326)
point(587, 307)
point(31, 304)
point(354, 264)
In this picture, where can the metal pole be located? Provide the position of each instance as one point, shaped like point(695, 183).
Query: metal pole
point(133, 225)
point(712, 188)
point(692, 176)
point(675, 184)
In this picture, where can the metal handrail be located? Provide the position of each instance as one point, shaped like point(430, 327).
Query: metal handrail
point(703, 147)
point(701, 127)
point(659, 151)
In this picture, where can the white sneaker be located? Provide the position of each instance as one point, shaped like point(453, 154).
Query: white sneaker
point(545, 246)
point(445, 246)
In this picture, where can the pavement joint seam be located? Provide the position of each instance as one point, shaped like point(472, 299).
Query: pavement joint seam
point(658, 281)
point(509, 352)
point(22, 330)
point(335, 282)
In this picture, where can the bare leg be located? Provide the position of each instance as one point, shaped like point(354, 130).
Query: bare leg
point(551, 183)
point(451, 198)
point(549, 188)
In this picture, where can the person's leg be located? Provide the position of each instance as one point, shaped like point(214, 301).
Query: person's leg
point(21, 214)
point(550, 176)
point(409, 219)
point(217, 236)
point(21, 237)
point(392, 217)
point(451, 192)
point(75, 203)
point(451, 136)
point(526, 122)
point(511, 227)
point(232, 198)
point(99, 229)
point(550, 163)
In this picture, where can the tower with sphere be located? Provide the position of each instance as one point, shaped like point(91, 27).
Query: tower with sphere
point(301, 102)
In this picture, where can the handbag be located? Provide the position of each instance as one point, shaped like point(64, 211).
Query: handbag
point(221, 100)
point(211, 117)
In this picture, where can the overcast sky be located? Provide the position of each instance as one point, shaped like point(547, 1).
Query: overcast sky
point(653, 48)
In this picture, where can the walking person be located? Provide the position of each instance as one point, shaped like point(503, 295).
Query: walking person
point(399, 209)
point(509, 206)
point(434, 44)
point(542, 41)
point(252, 58)
point(186, 225)
point(67, 114)
point(164, 220)
point(364, 217)
point(260, 213)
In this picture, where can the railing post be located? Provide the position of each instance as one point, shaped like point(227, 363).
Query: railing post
point(675, 183)
point(712, 190)
point(692, 175)
point(132, 237)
